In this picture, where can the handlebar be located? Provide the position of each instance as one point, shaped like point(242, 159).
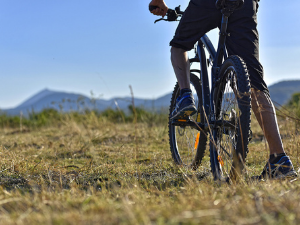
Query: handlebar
point(172, 15)
point(225, 5)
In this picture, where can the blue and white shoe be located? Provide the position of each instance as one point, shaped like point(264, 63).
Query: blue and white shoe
point(185, 107)
point(282, 169)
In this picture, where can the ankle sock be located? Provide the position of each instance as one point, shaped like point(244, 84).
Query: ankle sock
point(185, 90)
point(274, 158)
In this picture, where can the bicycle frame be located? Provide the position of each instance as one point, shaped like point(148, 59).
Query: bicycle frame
point(217, 58)
point(211, 123)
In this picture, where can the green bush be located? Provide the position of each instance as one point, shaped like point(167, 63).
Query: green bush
point(53, 117)
point(294, 103)
point(151, 118)
point(9, 121)
point(113, 115)
point(46, 117)
point(294, 106)
point(295, 100)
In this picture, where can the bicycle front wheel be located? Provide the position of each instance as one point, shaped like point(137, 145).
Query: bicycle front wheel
point(187, 144)
point(232, 100)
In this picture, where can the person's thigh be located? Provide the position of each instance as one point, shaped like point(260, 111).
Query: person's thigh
point(244, 42)
point(200, 17)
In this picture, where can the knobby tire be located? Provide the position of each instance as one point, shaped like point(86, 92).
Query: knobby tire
point(182, 139)
point(232, 100)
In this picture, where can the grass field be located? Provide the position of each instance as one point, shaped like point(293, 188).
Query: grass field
point(94, 171)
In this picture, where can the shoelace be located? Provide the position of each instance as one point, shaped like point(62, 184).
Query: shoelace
point(269, 171)
point(179, 100)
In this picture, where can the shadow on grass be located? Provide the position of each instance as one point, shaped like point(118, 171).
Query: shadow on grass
point(14, 182)
point(161, 180)
point(52, 181)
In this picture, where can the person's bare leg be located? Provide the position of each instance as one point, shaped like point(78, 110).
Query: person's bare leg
point(264, 111)
point(181, 65)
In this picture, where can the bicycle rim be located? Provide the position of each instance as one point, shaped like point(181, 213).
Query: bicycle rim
point(233, 111)
point(187, 144)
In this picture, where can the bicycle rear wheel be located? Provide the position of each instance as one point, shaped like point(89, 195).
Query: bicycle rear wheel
point(187, 144)
point(232, 99)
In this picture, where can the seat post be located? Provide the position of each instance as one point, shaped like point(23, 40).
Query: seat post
point(221, 44)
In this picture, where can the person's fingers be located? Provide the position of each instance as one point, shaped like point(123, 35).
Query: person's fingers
point(154, 12)
point(157, 12)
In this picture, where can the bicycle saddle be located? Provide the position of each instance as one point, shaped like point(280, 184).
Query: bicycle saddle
point(237, 4)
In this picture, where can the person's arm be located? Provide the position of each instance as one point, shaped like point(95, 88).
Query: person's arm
point(162, 7)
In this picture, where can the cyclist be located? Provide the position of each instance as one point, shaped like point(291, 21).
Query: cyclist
point(202, 16)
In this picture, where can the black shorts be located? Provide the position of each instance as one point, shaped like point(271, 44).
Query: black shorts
point(202, 16)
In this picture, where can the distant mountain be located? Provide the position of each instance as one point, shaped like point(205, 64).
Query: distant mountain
point(49, 99)
point(280, 93)
point(36, 98)
point(67, 102)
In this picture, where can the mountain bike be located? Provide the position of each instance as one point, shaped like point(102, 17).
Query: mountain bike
point(223, 105)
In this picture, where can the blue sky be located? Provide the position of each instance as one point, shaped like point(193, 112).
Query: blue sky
point(105, 46)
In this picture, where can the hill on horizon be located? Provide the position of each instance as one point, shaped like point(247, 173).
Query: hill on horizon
point(66, 102)
point(280, 93)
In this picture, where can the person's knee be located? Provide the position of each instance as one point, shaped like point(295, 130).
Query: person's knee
point(175, 50)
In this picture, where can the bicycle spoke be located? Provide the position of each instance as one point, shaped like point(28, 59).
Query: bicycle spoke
point(233, 110)
point(182, 140)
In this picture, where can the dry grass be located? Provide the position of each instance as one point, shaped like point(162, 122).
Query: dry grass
point(98, 172)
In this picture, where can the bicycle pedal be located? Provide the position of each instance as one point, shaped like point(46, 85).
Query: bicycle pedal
point(180, 122)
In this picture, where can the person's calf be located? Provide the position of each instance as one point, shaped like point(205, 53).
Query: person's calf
point(181, 66)
point(265, 113)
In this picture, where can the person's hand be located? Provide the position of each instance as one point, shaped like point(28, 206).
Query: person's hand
point(162, 7)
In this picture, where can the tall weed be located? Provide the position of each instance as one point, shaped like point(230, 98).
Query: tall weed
point(52, 117)
point(294, 106)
